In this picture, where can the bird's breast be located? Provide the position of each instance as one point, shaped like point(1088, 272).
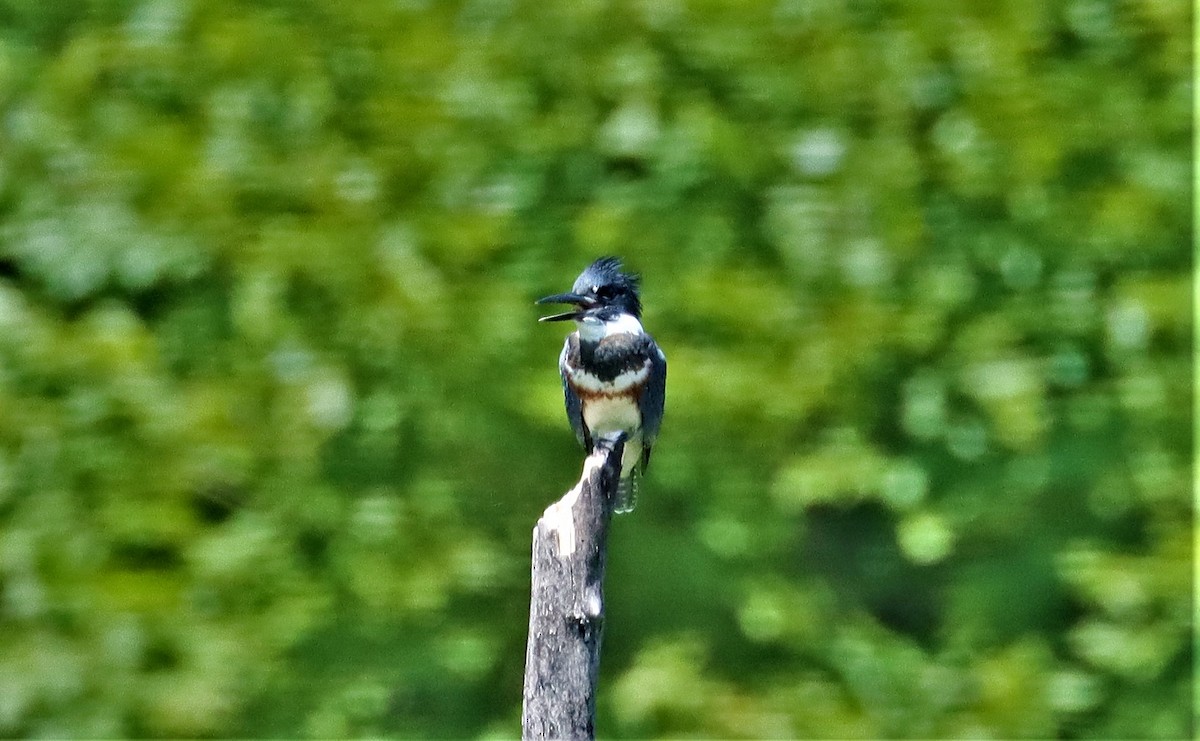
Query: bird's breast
point(628, 381)
point(610, 405)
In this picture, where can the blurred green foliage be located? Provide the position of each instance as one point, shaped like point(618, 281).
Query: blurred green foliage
point(276, 418)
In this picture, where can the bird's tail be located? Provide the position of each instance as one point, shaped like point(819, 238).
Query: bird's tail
point(627, 491)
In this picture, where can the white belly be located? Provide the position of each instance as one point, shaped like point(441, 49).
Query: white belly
point(605, 415)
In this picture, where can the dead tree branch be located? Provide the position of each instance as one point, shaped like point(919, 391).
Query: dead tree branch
point(566, 610)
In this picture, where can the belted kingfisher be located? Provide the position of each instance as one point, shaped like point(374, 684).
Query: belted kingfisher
point(614, 375)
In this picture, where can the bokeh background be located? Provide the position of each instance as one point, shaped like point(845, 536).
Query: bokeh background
point(276, 417)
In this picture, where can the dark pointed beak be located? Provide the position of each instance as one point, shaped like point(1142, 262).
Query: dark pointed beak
point(583, 302)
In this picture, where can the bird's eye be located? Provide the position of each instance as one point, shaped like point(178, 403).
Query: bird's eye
point(605, 291)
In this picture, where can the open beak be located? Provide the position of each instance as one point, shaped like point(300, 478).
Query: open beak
point(582, 302)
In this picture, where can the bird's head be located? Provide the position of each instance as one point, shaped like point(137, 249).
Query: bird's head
point(601, 293)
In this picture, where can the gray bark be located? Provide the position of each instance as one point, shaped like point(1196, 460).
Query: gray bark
point(566, 608)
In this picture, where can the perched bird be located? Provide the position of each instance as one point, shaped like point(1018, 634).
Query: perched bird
point(614, 375)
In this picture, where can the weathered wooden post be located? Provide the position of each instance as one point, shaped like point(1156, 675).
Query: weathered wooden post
point(566, 607)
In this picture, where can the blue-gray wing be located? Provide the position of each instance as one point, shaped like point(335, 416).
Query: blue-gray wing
point(654, 397)
point(574, 407)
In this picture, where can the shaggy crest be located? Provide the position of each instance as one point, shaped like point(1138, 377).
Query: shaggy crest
point(605, 275)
